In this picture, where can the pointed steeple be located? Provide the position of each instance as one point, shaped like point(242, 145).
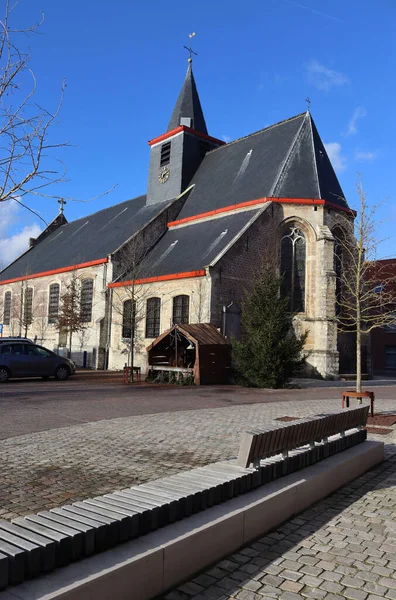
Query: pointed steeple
point(188, 109)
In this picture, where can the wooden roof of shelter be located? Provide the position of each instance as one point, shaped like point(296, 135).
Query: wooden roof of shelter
point(205, 334)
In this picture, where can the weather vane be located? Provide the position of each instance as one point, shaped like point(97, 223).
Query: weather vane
point(308, 101)
point(61, 202)
point(191, 51)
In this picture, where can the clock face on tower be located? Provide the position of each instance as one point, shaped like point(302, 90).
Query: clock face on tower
point(164, 175)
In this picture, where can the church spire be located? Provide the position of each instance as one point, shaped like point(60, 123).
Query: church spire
point(188, 110)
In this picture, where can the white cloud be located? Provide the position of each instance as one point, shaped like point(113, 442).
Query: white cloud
point(13, 244)
point(358, 113)
point(324, 78)
point(226, 138)
point(338, 161)
point(365, 156)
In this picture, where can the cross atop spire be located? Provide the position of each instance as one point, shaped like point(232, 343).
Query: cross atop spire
point(191, 51)
point(61, 203)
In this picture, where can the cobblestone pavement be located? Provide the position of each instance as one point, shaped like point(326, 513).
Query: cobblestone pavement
point(49, 468)
point(342, 547)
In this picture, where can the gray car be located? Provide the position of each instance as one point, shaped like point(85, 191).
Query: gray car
point(21, 359)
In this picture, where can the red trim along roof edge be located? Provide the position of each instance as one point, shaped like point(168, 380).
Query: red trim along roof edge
point(186, 275)
point(90, 263)
point(305, 201)
point(168, 134)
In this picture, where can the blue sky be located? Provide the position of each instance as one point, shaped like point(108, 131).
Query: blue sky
point(124, 64)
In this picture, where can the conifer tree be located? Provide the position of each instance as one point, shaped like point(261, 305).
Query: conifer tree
point(270, 352)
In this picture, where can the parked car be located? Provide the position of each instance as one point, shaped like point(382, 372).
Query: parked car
point(4, 340)
point(25, 359)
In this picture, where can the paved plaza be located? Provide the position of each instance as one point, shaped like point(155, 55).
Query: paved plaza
point(344, 547)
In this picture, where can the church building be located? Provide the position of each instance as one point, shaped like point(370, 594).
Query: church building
point(187, 250)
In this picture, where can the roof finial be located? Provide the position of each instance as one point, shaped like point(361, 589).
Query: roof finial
point(191, 51)
point(61, 203)
point(308, 101)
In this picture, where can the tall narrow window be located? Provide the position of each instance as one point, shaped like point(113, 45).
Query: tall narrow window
point(28, 307)
point(338, 272)
point(165, 154)
point(181, 309)
point(153, 314)
point(128, 318)
point(53, 303)
point(7, 308)
point(86, 300)
point(293, 250)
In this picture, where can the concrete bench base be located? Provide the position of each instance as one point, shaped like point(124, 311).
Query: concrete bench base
point(154, 563)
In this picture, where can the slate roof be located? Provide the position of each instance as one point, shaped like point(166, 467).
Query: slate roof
point(205, 334)
point(287, 159)
point(195, 246)
point(90, 238)
point(188, 105)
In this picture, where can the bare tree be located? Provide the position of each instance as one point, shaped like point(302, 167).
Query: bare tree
point(131, 297)
point(24, 124)
point(366, 291)
point(71, 316)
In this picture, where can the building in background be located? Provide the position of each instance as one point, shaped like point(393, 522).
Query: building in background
point(186, 251)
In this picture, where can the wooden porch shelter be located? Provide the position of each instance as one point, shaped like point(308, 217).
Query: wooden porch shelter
point(197, 351)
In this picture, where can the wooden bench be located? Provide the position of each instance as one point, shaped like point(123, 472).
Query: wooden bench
point(351, 394)
point(128, 371)
point(258, 445)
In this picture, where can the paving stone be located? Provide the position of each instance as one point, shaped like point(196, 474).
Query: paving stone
point(251, 585)
point(312, 581)
point(315, 593)
point(190, 588)
point(388, 582)
point(354, 594)
point(352, 582)
point(291, 586)
point(292, 575)
point(331, 586)
point(374, 588)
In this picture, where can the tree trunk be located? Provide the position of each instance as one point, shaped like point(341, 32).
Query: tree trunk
point(70, 342)
point(359, 362)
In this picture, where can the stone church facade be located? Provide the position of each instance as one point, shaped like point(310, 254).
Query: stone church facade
point(188, 249)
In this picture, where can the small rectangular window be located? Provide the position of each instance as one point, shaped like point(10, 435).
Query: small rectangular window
point(165, 154)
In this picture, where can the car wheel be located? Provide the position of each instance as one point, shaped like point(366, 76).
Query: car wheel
point(62, 372)
point(4, 374)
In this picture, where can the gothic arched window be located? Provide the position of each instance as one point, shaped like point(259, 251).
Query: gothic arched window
point(293, 251)
point(181, 309)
